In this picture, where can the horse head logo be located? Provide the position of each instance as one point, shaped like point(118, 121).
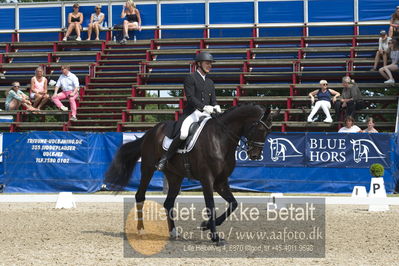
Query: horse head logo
point(361, 150)
point(279, 147)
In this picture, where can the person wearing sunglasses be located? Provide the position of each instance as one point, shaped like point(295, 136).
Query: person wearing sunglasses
point(96, 23)
point(75, 20)
point(323, 101)
point(16, 98)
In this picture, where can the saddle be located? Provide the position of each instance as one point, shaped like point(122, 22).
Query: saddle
point(189, 143)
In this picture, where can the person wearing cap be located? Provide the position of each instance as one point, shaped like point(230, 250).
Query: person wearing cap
point(201, 101)
point(386, 71)
point(323, 101)
point(75, 20)
point(394, 23)
point(382, 51)
point(96, 23)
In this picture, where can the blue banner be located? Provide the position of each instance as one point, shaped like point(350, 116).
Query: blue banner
point(290, 162)
point(333, 150)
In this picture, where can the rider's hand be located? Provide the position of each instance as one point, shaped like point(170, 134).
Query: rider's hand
point(208, 109)
point(217, 108)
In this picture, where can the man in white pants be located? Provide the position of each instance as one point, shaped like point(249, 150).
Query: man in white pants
point(323, 100)
point(201, 101)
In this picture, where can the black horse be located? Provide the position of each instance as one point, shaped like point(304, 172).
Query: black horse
point(212, 161)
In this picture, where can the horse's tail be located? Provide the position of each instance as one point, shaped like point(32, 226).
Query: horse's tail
point(122, 166)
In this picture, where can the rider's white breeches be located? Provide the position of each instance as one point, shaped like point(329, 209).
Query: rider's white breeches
point(194, 117)
point(325, 105)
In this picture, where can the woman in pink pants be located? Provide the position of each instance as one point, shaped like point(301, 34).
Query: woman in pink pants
point(69, 84)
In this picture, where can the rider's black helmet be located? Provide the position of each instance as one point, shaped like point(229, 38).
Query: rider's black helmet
point(204, 56)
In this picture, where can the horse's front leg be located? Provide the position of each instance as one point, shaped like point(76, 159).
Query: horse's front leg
point(224, 191)
point(210, 206)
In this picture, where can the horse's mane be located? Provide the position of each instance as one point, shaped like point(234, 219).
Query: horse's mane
point(241, 111)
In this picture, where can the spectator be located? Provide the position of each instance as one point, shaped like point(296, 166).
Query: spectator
point(350, 126)
point(351, 99)
point(15, 98)
point(75, 20)
point(38, 89)
point(69, 84)
point(323, 101)
point(96, 23)
point(383, 49)
point(386, 71)
point(394, 23)
point(132, 21)
point(370, 126)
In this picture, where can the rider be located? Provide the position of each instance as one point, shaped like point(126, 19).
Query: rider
point(201, 101)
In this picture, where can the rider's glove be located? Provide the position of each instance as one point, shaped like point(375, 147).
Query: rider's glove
point(217, 108)
point(208, 109)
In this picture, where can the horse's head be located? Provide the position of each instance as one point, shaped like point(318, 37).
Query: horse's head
point(256, 133)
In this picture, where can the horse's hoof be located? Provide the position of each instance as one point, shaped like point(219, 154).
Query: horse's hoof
point(173, 235)
point(204, 226)
point(141, 232)
point(221, 243)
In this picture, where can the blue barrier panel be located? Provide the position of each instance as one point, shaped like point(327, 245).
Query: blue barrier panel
point(279, 32)
point(290, 163)
point(376, 10)
point(183, 14)
point(148, 14)
point(372, 30)
point(281, 12)
point(7, 21)
point(230, 33)
point(38, 36)
point(231, 12)
point(39, 18)
point(327, 11)
point(194, 33)
point(57, 161)
point(331, 31)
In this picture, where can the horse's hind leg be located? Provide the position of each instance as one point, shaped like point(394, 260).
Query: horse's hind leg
point(146, 174)
point(174, 183)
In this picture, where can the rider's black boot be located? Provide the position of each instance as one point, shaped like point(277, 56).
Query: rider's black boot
point(174, 146)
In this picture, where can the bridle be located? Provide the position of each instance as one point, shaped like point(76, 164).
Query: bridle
point(253, 143)
point(246, 142)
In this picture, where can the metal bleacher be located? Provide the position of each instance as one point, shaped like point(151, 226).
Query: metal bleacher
point(132, 87)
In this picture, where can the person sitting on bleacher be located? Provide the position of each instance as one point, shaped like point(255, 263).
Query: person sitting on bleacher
point(350, 126)
point(383, 50)
point(323, 101)
point(75, 20)
point(386, 71)
point(69, 84)
point(370, 126)
point(38, 89)
point(96, 23)
point(132, 21)
point(16, 98)
point(351, 99)
point(394, 24)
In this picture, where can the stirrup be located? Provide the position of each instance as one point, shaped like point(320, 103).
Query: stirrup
point(160, 166)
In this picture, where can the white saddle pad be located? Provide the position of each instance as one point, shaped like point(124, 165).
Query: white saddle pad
point(167, 141)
